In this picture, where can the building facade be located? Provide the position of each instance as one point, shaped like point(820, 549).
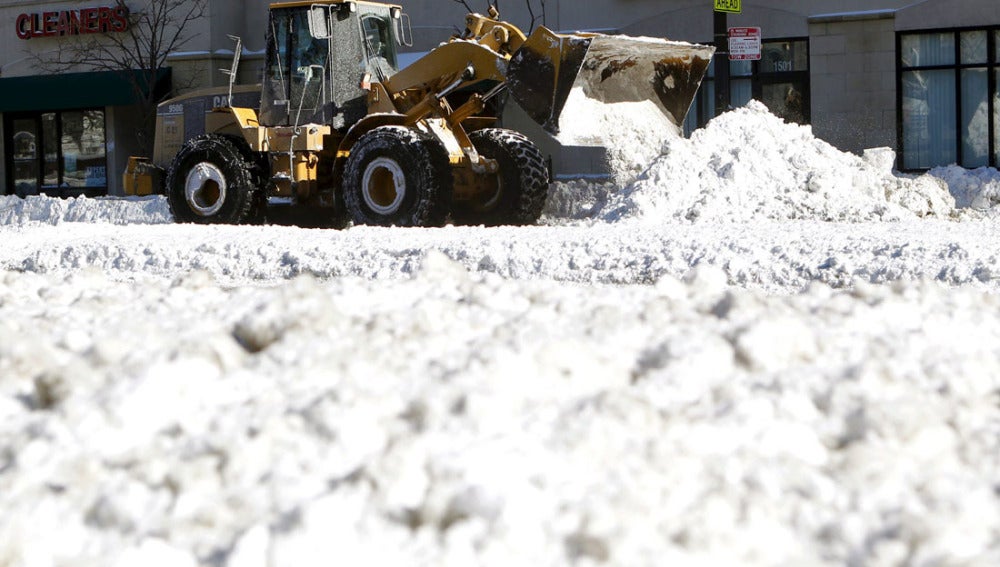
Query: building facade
point(68, 130)
point(920, 77)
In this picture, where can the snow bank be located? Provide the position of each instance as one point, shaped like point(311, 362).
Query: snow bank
point(749, 165)
point(439, 421)
point(48, 210)
point(976, 189)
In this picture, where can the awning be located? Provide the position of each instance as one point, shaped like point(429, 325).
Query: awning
point(75, 90)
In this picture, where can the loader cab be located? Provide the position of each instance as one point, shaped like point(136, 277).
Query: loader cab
point(322, 56)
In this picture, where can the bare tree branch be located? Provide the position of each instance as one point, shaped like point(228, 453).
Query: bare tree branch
point(157, 29)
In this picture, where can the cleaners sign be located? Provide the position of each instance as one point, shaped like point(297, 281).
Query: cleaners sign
point(105, 19)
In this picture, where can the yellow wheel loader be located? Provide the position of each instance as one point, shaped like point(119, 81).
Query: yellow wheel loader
point(339, 128)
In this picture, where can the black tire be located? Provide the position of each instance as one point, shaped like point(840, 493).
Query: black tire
point(397, 176)
point(522, 182)
point(216, 179)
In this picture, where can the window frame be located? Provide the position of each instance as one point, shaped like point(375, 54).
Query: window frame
point(992, 66)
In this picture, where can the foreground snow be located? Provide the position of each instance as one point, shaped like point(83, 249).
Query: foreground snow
point(453, 419)
point(791, 361)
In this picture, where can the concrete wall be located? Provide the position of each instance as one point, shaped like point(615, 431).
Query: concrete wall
point(690, 20)
point(852, 62)
point(948, 14)
point(696, 23)
point(199, 63)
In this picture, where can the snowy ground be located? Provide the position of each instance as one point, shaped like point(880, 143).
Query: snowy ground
point(762, 352)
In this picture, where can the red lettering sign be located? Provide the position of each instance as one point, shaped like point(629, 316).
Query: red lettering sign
point(104, 19)
point(23, 26)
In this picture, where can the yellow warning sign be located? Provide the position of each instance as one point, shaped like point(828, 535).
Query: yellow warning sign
point(731, 6)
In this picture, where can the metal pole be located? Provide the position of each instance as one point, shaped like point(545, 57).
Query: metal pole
point(721, 62)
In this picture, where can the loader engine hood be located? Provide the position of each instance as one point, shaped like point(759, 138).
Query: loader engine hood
point(608, 69)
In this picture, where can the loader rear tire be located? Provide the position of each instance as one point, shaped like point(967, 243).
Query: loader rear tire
point(397, 176)
point(522, 182)
point(215, 179)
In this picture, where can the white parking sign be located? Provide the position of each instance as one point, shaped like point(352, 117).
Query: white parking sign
point(744, 44)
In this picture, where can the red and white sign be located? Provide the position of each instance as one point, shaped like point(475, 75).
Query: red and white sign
point(744, 44)
point(103, 19)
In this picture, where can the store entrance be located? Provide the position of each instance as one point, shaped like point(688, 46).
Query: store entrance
point(59, 153)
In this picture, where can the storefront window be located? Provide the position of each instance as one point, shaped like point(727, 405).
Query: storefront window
point(975, 118)
point(786, 101)
point(929, 49)
point(996, 100)
point(974, 48)
point(740, 83)
point(946, 99)
point(59, 153)
point(84, 163)
point(996, 118)
point(784, 57)
point(703, 107)
point(929, 118)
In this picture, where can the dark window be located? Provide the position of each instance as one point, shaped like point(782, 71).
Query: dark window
point(57, 153)
point(947, 96)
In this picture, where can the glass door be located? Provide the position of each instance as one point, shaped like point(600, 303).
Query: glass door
point(783, 79)
point(25, 152)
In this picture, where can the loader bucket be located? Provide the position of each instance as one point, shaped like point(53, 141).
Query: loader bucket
point(610, 69)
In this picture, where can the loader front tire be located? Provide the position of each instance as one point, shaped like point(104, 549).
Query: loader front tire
point(215, 180)
point(397, 176)
point(521, 184)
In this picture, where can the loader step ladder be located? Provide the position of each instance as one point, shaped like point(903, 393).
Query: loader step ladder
point(234, 70)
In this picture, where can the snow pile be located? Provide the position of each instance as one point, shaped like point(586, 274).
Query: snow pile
point(439, 421)
point(49, 210)
point(975, 189)
point(750, 165)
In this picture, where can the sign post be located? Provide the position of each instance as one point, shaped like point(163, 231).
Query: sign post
point(722, 10)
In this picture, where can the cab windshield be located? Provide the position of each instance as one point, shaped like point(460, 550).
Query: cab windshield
point(297, 66)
